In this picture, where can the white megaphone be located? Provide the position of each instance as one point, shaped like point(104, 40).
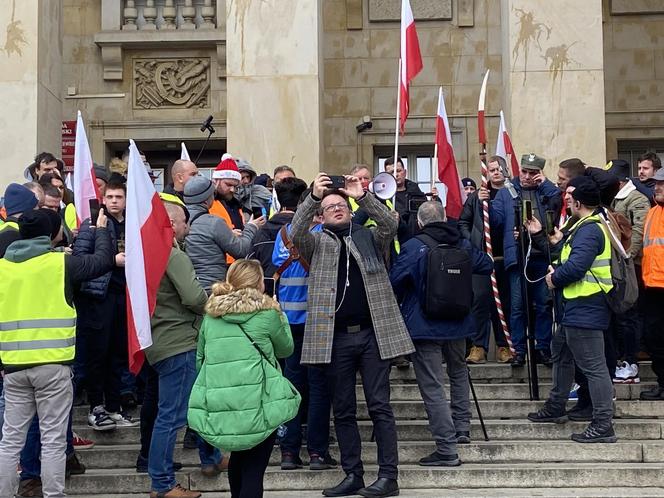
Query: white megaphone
point(384, 186)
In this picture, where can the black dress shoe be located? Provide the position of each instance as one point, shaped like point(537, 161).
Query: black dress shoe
point(382, 487)
point(348, 487)
point(519, 360)
point(543, 357)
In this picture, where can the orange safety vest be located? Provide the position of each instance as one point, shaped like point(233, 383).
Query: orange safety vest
point(653, 248)
point(218, 209)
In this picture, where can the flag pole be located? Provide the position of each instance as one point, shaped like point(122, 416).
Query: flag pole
point(396, 128)
point(434, 162)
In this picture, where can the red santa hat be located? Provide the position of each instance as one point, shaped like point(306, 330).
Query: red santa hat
point(227, 169)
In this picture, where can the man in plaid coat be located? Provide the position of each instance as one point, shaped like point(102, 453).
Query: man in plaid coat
point(353, 323)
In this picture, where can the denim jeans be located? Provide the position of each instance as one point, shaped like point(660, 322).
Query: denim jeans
point(311, 383)
point(30, 455)
point(538, 297)
point(177, 375)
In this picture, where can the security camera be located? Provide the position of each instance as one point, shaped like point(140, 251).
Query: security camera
point(364, 124)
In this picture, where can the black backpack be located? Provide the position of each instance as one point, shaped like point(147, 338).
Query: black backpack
point(448, 287)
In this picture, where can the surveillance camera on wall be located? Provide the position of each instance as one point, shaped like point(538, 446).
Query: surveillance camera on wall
point(364, 124)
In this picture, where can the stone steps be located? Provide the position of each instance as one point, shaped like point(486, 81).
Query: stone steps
point(411, 477)
point(629, 451)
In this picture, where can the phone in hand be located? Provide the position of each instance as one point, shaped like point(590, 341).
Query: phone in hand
point(94, 211)
point(269, 286)
point(257, 212)
point(528, 209)
point(550, 226)
point(337, 182)
point(414, 204)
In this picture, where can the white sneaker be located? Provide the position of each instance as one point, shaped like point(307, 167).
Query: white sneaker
point(123, 420)
point(620, 372)
point(100, 420)
point(629, 374)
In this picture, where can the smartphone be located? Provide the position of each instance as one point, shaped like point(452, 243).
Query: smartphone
point(414, 204)
point(550, 227)
point(337, 182)
point(257, 212)
point(528, 209)
point(94, 211)
point(269, 286)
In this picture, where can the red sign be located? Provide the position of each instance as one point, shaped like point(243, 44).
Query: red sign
point(68, 144)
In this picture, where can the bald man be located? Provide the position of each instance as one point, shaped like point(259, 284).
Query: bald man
point(181, 172)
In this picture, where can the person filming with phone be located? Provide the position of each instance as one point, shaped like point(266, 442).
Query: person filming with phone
point(353, 323)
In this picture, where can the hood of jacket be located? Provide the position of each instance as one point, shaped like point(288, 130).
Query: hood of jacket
point(22, 250)
point(442, 232)
point(275, 223)
point(240, 305)
point(413, 188)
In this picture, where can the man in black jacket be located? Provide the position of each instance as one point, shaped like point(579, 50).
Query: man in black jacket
point(407, 192)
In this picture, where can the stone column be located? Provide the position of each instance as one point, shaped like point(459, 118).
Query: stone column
point(30, 84)
point(273, 83)
point(553, 70)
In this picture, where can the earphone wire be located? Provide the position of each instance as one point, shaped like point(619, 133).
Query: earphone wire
point(347, 240)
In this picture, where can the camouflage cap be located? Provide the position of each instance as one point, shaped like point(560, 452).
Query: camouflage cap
point(532, 161)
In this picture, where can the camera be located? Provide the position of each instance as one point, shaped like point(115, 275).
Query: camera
point(364, 124)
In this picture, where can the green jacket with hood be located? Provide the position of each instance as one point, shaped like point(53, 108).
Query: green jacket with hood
point(239, 398)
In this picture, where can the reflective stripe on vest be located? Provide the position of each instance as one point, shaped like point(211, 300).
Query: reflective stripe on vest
point(598, 277)
point(293, 306)
point(8, 224)
point(293, 281)
point(371, 223)
point(652, 263)
point(34, 333)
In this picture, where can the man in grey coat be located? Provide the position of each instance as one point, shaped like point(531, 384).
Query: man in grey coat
point(353, 323)
point(210, 238)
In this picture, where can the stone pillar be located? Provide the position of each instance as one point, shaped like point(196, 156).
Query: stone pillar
point(274, 70)
point(30, 84)
point(553, 70)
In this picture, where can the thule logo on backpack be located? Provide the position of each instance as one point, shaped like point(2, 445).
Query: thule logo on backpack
point(454, 271)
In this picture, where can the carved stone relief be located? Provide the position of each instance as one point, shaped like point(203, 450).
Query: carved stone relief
point(430, 10)
point(172, 83)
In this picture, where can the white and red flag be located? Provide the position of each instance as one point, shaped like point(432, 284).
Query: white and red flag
point(148, 242)
point(447, 168)
point(411, 59)
point(504, 147)
point(184, 153)
point(85, 183)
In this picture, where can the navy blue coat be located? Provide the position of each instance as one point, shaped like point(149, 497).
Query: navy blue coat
point(408, 277)
point(85, 244)
point(590, 312)
point(502, 214)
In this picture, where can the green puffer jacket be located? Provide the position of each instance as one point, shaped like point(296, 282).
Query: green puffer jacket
point(239, 399)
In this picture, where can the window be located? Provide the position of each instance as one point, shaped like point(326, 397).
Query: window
point(420, 156)
point(630, 150)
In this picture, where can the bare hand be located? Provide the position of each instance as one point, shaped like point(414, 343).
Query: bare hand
point(68, 250)
point(556, 237)
point(516, 234)
point(120, 259)
point(539, 178)
point(549, 281)
point(353, 187)
point(396, 215)
point(483, 194)
point(237, 232)
point(102, 219)
point(534, 226)
point(259, 222)
point(321, 184)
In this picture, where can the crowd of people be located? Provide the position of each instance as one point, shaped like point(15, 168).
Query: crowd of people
point(277, 293)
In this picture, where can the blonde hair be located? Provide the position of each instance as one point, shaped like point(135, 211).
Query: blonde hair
point(118, 166)
point(242, 274)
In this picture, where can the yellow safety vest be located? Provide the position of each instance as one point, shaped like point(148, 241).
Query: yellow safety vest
point(371, 223)
point(70, 218)
point(36, 331)
point(598, 277)
point(4, 225)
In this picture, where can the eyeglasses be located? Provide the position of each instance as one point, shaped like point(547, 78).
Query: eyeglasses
point(340, 206)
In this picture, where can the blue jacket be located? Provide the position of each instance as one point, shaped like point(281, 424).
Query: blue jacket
point(548, 197)
point(85, 244)
point(591, 312)
point(408, 276)
point(292, 287)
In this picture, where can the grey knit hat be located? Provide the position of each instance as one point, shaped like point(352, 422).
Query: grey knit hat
point(198, 190)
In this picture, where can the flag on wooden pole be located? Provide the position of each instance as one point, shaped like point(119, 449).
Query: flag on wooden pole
point(504, 147)
point(411, 59)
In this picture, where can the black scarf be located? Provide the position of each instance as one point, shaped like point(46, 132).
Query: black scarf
point(364, 242)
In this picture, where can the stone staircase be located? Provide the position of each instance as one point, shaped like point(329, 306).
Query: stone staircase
point(521, 458)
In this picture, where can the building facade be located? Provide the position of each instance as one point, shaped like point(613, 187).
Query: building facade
point(288, 81)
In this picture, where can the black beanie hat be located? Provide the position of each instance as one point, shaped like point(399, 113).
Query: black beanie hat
point(39, 223)
point(586, 191)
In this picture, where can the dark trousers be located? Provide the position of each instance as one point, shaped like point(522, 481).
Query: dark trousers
point(611, 358)
point(104, 324)
point(246, 469)
point(352, 352)
point(311, 383)
point(653, 301)
point(485, 311)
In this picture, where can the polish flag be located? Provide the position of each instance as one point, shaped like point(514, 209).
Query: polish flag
point(411, 59)
point(149, 239)
point(447, 168)
point(85, 183)
point(184, 153)
point(504, 147)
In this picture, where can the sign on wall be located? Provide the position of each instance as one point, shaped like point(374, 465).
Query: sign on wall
point(68, 143)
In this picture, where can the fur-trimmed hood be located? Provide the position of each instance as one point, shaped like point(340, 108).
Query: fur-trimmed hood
point(241, 301)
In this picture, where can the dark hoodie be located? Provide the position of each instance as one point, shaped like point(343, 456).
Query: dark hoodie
point(265, 238)
point(407, 219)
point(408, 276)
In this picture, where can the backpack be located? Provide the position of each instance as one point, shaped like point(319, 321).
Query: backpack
point(448, 290)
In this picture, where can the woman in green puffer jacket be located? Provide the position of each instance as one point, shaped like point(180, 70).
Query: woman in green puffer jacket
point(240, 396)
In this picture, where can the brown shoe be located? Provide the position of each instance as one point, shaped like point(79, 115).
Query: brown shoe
point(504, 355)
point(477, 355)
point(213, 470)
point(30, 488)
point(177, 492)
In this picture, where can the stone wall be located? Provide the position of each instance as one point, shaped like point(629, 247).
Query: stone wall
point(634, 71)
point(360, 72)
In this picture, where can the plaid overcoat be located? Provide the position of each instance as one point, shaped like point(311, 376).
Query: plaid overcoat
point(321, 249)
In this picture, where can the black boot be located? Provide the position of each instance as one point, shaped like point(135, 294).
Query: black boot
point(548, 414)
point(597, 432)
point(380, 488)
point(654, 394)
point(348, 487)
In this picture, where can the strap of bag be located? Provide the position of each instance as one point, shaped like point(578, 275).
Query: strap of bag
point(198, 215)
point(428, 240)
point(254, 344)
point(293, 254)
